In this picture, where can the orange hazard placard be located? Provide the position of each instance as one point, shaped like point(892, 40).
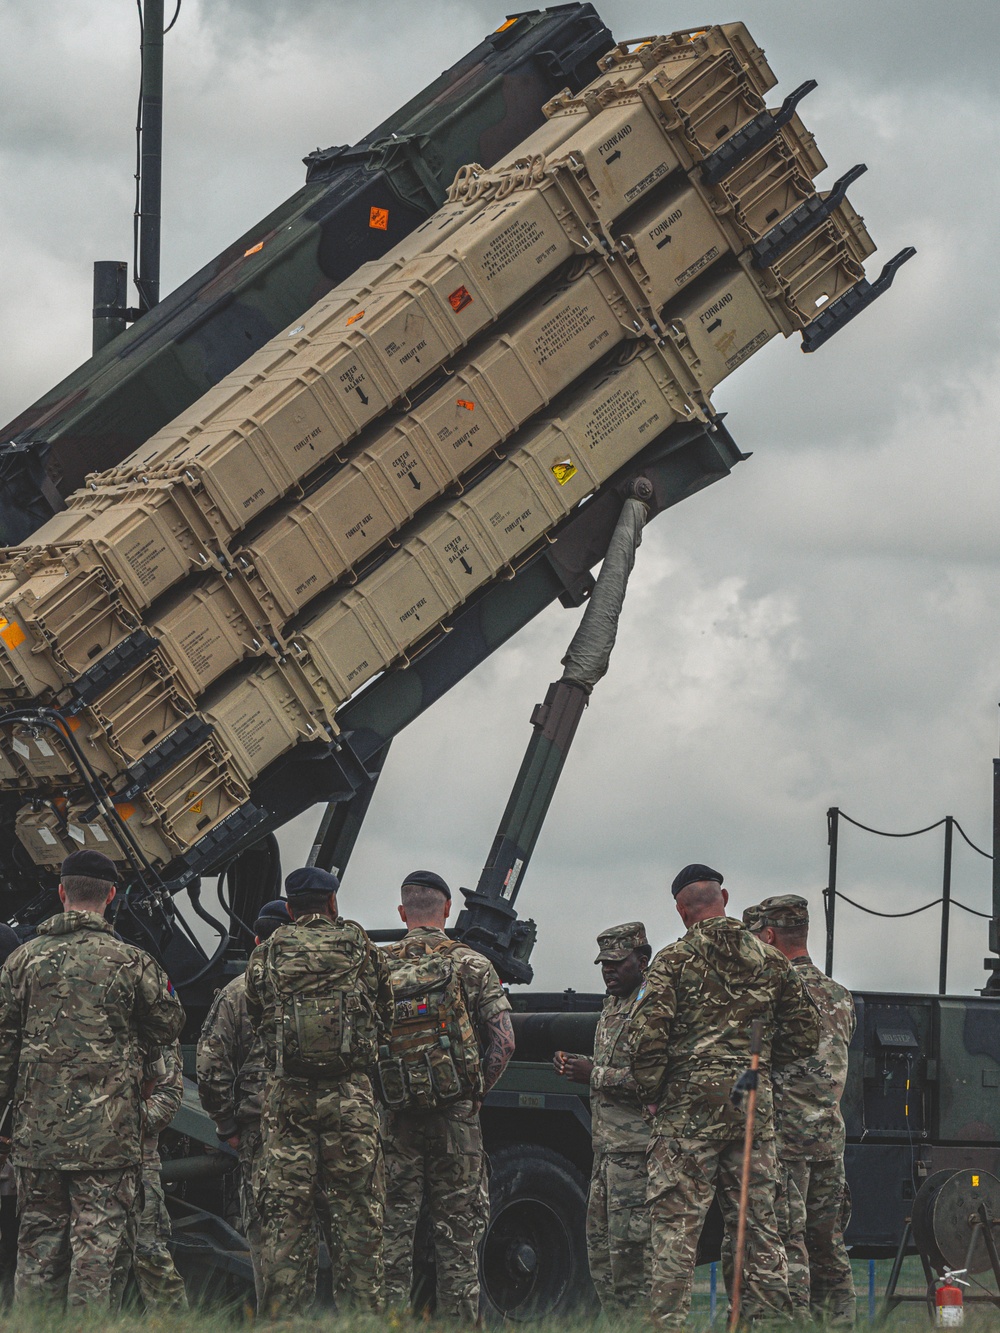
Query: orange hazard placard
point(11, 633)
point(459, 299)
point(360, 314)
point(464, 402)
point(379, 219)
point(253, 249)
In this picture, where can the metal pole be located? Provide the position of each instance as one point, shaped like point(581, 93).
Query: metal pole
point(110, 298)
point(151, 155)
point(832, 832)
point(945, 905)
point(992, 964)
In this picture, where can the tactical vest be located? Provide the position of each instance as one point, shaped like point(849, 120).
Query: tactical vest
point(432, 1058)
point(324, 1016)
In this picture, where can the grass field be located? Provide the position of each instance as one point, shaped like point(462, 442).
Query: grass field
point(909, 1317)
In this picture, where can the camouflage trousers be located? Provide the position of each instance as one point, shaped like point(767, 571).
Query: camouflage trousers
point(820, 1280)
point(73, 1224)
point(320, 1144)
point(147, 1253)
point(436, 1158)
point(684, 1175)
point(618, 1231)
point(250, 1155)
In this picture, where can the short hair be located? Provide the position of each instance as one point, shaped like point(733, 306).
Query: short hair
point(305, 903)
point(86, 890)
point(702, 893)
point(265, 926)
point(645, 951)
point(792, 936)
point(421, 899)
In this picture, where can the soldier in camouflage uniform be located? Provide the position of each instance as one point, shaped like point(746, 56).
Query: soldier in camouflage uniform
point(231, 1079)
point(617, 1212)
point(318, 994)
point(160, 1285)
point(434, 1155)
point(77, 1009)
point(810, 1127)
point(689, 1036)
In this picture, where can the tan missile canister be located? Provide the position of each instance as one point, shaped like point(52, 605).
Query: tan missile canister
point(262, 715)
point(540, 353)
point(451, 555)
point(38, 830)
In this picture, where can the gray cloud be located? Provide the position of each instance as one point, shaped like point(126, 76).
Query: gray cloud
point(820, 629)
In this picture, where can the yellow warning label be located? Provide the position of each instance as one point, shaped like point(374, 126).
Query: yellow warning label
point(253, 249)
point(360, 314)
point(464, 402)
point(504, 26)
point(975, 1182)
point(11, 633)
point(197, 807)
point(563, 471)
point(379, 219)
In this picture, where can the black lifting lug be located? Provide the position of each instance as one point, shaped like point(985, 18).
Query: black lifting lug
point(853, 301)
point(753, 136)
point(802, 220)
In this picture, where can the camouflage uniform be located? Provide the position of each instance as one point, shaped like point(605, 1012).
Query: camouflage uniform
point(320, 1137)
point(77, 1008)
point(617, 1212)
point(436, 1157)
point(811, 1133)
point(160, 1285)
point(230, 1084)
point(689, 1037)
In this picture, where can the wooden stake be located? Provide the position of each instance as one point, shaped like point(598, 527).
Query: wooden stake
point(756, 1036)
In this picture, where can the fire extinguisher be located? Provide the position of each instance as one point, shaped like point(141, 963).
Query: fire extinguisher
point(949, 1308)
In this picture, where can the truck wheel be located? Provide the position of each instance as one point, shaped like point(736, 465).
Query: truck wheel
point(534, 1260)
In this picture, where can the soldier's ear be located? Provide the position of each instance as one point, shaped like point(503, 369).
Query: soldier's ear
point(402, 913)
point(447, 908)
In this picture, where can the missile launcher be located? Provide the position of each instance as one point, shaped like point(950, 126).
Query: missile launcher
point(210, 603)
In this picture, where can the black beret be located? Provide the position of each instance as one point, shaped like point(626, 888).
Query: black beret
point(693, 874)
point(428, 880)
point(9, 941)
point(270, 917)
point(311, 882)
point(93, 865)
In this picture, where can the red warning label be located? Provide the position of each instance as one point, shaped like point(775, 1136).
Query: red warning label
point(379, 219)
point(459, 299)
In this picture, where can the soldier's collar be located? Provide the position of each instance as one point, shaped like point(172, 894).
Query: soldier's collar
point(73, 920)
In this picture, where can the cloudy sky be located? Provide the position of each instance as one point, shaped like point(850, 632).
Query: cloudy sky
point(820, 629)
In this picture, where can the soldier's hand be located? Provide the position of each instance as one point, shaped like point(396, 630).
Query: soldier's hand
point(576, 1068)
point(148, 1084)
point(233, 1141)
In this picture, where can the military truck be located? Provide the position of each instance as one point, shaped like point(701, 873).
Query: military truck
point(267, 526)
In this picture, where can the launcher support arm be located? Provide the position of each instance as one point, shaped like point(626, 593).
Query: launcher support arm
point(489, 921)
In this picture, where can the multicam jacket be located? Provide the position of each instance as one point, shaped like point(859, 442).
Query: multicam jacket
point(689, 1034)
point(617, 1122)
point(318, 938)
point(163, 1102)
point(230, 1062)
point(807, 1092)
point(78, 1007)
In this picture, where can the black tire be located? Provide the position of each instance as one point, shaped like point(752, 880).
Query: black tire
point(534, 1258)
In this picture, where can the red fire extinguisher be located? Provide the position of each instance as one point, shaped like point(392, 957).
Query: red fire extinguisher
point(949, 1309)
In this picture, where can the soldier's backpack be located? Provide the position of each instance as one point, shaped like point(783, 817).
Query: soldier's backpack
point(432, 1058)
point(324, 1016)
